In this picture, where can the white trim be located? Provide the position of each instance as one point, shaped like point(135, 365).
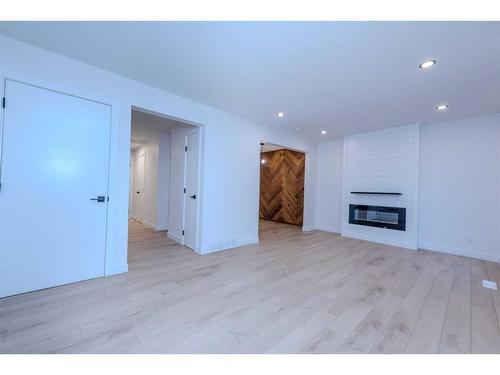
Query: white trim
point(231, 244)
point(116, 269)
point(175, 237)
point(324, 228)
point(308, 228)
point(456, 251)
point(149, 225)
point(383, 241)
point(179, 240)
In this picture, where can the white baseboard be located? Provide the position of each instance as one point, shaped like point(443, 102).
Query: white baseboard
point(148, 224)
point(328, 229)
point(389, 242)
point(116, 269)
point(174, 237)
point(456, 251)
point(220, 246)
point(229, 244)
point(307, 228)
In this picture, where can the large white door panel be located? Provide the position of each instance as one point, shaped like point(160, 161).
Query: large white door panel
point(192, 195)
point(55, 159)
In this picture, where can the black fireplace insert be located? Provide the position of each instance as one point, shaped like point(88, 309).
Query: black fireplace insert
point(378, 216)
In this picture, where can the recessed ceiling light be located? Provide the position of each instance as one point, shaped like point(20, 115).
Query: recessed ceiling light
point(427, 64)
point(323, 132)
point(281, 114)
point(442, 107)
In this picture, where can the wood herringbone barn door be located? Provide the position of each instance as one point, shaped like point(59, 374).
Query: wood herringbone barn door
point(282, 186)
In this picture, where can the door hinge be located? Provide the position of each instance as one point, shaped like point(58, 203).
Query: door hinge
point(184, 190)
point(3, 102)
point(183, 233)
point(185, 147)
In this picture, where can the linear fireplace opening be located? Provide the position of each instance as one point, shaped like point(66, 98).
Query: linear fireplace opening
point(378, 216)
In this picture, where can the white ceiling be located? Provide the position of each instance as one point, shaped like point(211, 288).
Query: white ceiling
point(147, 127)
point(346, 77)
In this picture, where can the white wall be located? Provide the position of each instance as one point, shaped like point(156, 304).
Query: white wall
point(383, 161)
point(460, 187)
point(231, 148)
point(329, 186)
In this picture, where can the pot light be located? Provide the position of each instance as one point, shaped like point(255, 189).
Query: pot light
point(323, 132)
point(281, 114)
point(442, 107)
point(427, 64)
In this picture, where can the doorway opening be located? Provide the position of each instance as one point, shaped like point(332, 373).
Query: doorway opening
point(281, 201)
point(164, 183)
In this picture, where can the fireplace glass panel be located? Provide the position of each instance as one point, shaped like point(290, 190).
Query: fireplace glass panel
point(378, 216)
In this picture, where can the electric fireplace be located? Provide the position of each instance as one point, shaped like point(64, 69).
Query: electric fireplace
point(378, 216)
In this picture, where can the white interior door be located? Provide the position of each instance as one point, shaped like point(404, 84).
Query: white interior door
point(139, 183)
point(55, 159)
point(191, 197)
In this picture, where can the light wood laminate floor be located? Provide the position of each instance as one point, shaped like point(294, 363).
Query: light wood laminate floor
point(295, 292)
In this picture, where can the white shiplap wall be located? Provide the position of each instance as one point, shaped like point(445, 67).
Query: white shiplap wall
point(383, 161)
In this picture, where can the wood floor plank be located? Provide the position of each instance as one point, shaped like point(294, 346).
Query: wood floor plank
point(427, 333)
point(455, 337)
point(398, 330)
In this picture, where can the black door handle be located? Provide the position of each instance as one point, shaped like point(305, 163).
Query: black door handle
point(99, 198)
point(192, 196)
point(138, 192)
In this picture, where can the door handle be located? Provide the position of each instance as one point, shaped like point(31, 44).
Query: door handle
point(138, 192)
point(100, 198)
point(192, 196)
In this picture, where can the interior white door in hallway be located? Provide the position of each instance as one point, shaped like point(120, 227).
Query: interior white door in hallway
point(54, 189)
point(191, 197)
point(139, 181)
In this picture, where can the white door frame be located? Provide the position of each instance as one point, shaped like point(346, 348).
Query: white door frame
point(201, 129)
point(114, 163)
point(98, 267)
point(306, 173)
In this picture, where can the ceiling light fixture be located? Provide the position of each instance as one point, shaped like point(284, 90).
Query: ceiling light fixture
point(281, 114)
point(323, 132)
point(442, 107)
point(263, 161)
point(427, 64)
